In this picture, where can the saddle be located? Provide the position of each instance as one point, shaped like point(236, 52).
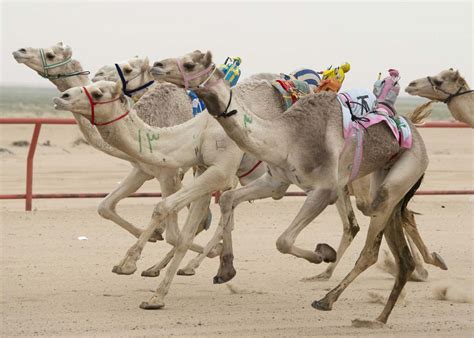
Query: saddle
point(295, 85)
point(362, 109)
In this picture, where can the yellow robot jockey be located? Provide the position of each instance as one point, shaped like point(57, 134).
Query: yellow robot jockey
point(333, 78)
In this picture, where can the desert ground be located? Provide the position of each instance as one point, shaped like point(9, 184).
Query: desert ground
point(52, 283)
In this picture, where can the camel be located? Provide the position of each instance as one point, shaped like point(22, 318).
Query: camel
point(133, 73)
point(449, 87)
point(305, 146)
point(56, 64)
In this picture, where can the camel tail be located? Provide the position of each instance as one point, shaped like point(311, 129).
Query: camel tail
point(420, 113)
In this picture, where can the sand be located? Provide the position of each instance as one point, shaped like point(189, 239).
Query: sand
point(54, 284)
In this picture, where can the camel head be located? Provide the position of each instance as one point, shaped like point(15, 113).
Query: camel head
point(58, 54)
point(105, 100)
point(133, 73)
point(189, 71)
point(437, 87)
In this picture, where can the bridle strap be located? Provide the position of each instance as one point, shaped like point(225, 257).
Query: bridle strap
point(129, 92)
point(195, 75)
point(225, 113)
point(93, 103)
point(46, 74)
point(450, 95)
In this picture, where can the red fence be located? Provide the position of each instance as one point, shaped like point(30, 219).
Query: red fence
point(38, 122)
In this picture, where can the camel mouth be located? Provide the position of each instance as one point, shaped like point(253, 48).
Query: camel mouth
point(157, 72)
point(19, 57)
point(60, 104)
point(411, 90)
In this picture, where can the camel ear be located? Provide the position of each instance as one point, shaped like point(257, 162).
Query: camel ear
point(65, 49)
point(145, 64)
point(207, 59)
point(118, 89)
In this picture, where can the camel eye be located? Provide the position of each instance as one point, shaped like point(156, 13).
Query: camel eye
point(127, 70)
point(96, 95)
point(189, 65)
point(50, 55)
point(437, 82)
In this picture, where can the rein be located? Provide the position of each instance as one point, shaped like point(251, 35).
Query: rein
point(93, 103)
point(129, 92)
point(450, 95)
point(225, 113)
point(46, 67)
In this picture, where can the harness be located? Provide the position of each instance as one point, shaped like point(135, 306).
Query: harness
point(93, 103)
point(251, 170)
point(225, 114)
point(46, 67)
point(129, 92)
point(450, 95)
point(195, 75)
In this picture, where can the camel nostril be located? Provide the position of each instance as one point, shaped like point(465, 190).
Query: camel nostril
point(65, 96)
point(158, 64)
point(412, 84)
point(22, 50)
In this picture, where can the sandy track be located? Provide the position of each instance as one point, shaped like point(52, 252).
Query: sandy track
point(54, 284)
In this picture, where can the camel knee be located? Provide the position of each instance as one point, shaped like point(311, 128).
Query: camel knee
point(226, 201)
point(380, 202)
point(105, 211)
point(284, 244)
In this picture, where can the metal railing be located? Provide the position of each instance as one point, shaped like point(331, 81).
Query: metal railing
point(38, 122)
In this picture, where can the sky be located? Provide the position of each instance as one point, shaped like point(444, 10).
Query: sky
point(417, 38)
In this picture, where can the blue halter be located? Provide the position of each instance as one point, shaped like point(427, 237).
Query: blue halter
point(125, 82)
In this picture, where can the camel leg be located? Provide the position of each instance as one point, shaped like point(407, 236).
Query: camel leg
point(214, 178)
point(412, 232)
point(263, 187)
point(186, 236)
point(350, 230)
point(314, 204)
point(131, 183)
point(402, 177)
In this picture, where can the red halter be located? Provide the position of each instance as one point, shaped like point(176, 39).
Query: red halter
point(93, 104)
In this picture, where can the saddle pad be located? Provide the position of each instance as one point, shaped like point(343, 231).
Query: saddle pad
point(291, 90)
point(307, 75)
point(371, 115)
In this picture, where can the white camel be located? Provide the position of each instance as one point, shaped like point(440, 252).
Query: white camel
point(449, 87)
point(305, 146)
point(56, 64)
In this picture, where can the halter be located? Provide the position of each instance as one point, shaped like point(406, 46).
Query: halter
point(129, 92)
point(450, 95)
point(195, 75)
point(46, 67)
point(92, 103)
point(255, 166)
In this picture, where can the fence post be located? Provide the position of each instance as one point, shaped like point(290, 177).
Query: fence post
point(29, 167)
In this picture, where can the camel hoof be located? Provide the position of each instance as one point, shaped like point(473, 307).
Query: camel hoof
point(439, 261)
point(124, 269)
point(150, 273)
point(322, 305)
point(148, 306)
point(157, 236)
point(370, 324)
point(223, 279)
point(328, 254)
point(324, 276)
point(188, 272)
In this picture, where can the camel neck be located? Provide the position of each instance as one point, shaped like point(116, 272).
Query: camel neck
point(89, 132)
point(462, 108)
point(240, 124)
point(172, 147)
